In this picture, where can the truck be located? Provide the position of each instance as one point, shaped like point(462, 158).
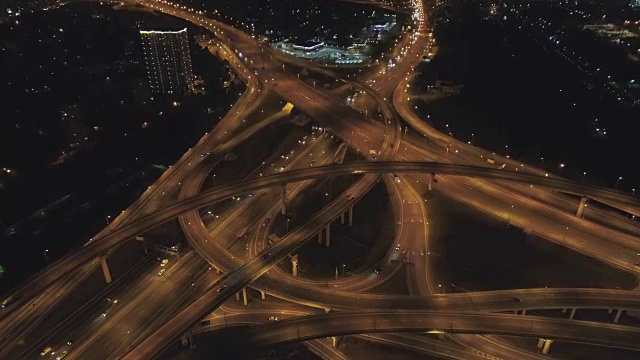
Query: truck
point(491, 161)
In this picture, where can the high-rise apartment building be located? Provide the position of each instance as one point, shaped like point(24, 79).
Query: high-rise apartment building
point(168, 61)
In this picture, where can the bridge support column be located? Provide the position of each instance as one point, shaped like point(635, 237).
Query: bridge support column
point(430, 182)
point(263, 295)
point(283, 199)
point(192, 343)
point(540, 343)
point(617, 317)
point(524, 312)
point(237, 296)
point(105, 269)
point(320, 237)
point(564, 310)
point(572, 314)
point(610, 311)
point(583, 203)
point(342, 218)
point(547, 346)
point(244, 296)
point(351, 216)
point(327, 242)
point(334, 341)
point(294, 265)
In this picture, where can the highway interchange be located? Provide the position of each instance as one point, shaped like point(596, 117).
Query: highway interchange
point(153, 311)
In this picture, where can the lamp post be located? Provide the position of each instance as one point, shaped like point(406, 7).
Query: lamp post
point(214, 180)
point(541, 162)
point(561, 167)
point(617, 182)
point(584, 175)
point(109, 222)
point(46, 257)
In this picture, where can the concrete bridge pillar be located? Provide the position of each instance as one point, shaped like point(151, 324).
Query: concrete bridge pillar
point(263, 294)
point(328, 238)
point(351, 216)
point(572, 314)
point(237, 296)
point(320, 237)
point(283, 199)
point(430, 182)
point(334, 341)
point(617, 317)
point(583, 203)
point(524, 312)
point(342, 218)
point(105, 269)
point(294, 265)
point(244, 296)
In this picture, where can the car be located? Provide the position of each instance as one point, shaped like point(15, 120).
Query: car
point(71, 342)
point(221, 287)
point(161, 272)
point(205, 322)
point(517, 300)
point(273, 318)
point(62, 355)
point(350, 197)
point(104, 314)
point(379, 269)
point(45, 351)
point(164, 262)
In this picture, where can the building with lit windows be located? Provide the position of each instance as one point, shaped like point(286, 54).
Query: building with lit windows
point(635, 4)
point(168, 61)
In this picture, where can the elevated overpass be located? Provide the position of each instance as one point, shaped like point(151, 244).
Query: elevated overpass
point(103, 243)
point(317, 326)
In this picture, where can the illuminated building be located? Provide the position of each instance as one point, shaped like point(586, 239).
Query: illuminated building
point(168, 61)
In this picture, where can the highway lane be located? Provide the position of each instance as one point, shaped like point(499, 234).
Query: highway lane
point(393, 321)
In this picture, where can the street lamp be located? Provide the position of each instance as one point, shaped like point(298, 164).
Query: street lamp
point(45, 255)
point(584, 175)
point(561, 167)
point(541, 162)
point(109, 222)
point(214, 180)
point(506, 151)
point(617, 182)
